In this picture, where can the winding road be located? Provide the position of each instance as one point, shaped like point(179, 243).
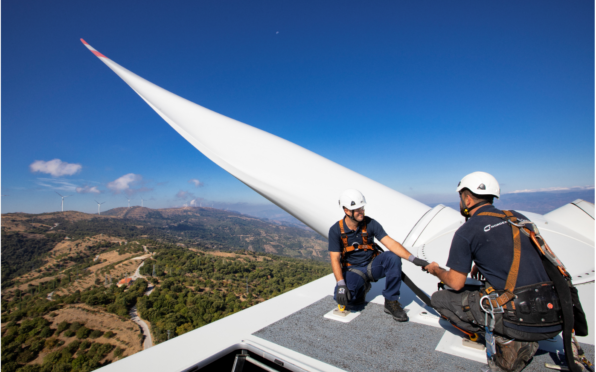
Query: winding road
point(135, 315)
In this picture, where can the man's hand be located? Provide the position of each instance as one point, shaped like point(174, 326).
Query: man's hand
point(342, 295)
point(432, 268)
point(475, 274)
point(453, 278)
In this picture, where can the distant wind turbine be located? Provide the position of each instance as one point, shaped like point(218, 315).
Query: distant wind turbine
point(142, 200)
point(99, 206)
point(63, 199)
point(128, 203)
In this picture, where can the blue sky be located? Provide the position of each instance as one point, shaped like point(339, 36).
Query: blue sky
point(412, 94)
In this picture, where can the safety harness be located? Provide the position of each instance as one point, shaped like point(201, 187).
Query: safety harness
point(541, 304)
point(358, 247)
point(533, 300)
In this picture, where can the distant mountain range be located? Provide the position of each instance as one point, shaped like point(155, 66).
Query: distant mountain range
point(201, 227)
point(536, 202)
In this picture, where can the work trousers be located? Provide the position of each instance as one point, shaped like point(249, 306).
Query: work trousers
point(386, 265)
point(451, 305)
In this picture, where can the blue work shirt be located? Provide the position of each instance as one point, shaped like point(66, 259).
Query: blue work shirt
point(356, 257)
point(488, 242)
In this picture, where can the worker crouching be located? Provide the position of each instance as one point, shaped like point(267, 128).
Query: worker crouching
point(519, 304)
point(356, 260)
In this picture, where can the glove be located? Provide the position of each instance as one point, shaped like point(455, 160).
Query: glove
point(342, 295)
point(417, 261)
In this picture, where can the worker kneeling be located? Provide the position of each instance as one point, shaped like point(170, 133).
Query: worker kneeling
point(519, 303)
point(356, 260)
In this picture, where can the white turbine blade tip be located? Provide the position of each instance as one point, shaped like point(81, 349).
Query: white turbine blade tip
point(92, 49)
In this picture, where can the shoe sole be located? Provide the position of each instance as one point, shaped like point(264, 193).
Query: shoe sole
point(396, 318)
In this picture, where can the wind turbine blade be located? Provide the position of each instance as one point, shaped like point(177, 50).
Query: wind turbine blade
point(301, 182)
point(58, 193)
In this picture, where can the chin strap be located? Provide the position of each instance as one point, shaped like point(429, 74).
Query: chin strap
point(352, 217)
point(465, 211)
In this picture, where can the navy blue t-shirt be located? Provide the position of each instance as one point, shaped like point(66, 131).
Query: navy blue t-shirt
point(488, 242)
point(356, 257)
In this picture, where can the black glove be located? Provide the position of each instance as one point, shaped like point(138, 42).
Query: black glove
point(342, 295)
point(418, 262)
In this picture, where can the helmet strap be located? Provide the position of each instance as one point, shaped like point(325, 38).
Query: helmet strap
point(465, 211)
point(352, 216)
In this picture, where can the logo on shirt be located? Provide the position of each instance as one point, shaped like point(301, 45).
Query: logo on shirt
point(488, 227)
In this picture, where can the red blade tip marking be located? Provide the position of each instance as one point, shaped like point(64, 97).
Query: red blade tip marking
point(84, 42)
point(98, 54)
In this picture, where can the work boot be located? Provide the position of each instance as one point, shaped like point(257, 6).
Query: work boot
point(394, 308)
point(513, 356)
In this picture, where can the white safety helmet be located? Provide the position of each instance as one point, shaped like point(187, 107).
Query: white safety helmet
point(352, 199)
point(480, 183)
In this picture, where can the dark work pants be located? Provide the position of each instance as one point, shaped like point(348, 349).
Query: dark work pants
point(386, 265)
point(449, 304)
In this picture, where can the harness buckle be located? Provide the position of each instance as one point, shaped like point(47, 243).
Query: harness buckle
point(356, 246)
point(492, 301)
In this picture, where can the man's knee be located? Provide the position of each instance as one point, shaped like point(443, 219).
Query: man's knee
point(392, 260)
point(441, 299)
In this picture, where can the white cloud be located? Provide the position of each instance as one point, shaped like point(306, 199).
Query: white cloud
point(56, 167)
point(88, 190)
point(574, 188)
point(196, 182)
point(124, 183)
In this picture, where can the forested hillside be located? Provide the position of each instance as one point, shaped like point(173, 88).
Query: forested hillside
point(61, 307)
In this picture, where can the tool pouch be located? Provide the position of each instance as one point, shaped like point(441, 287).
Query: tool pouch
point(534, 305)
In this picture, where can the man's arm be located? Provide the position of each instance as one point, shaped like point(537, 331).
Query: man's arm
point(395, 247)
point(453, 278)
point(336, 265)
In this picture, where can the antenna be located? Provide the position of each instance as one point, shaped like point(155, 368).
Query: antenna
point(62, 199)
point(99, 206)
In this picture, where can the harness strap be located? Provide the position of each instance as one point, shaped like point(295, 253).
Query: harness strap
point(344, 237)
point(363, 276)
point(369, 270)
point(514, 269)
point(350, 248)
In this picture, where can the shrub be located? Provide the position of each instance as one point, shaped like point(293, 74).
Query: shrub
point(84, 345)
point(95, 334)
point(73, 346)
point(50, 343)
point(69, 333)
point(75, 326)
point(62, 326)
point(83, 332)
point(46, 332)
point(118, 352)
point(109, 334)
point(26, 356)
point(37, 346)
